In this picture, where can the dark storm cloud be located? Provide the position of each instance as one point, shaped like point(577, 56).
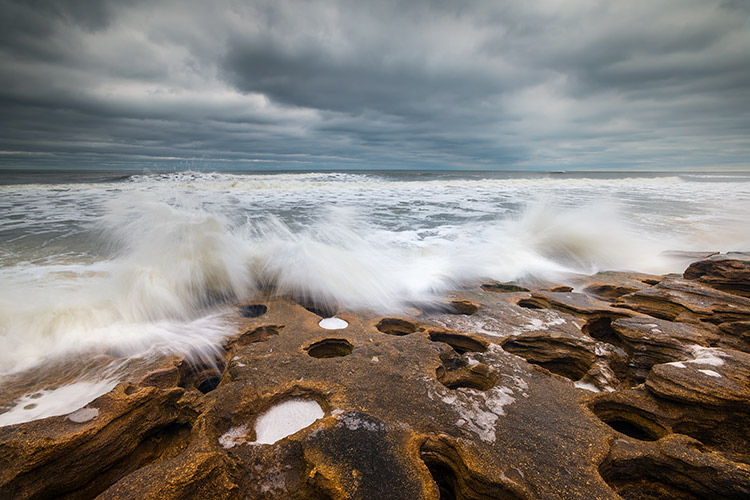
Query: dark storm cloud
point(549, 84)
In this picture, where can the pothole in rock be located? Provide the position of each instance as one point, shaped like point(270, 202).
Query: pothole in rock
point(457, 372)
point(322, 309)
point(252, 310)
point(330, 348)
point(457, 307)
point(628, 421)
point(648, 478)
point(568, 360)
point(630, 429)
point(260, 334)
point(460, 343)
point(453, 478)
point(204, 377)
point(462, 307)
point(601, 329)
point(467, 377)
point(396, 326)
point(503, 287)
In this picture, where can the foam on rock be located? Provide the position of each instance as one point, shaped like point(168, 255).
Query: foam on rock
point(83, 415)
point(53, 402)
point(285, 419)
point(333, 324)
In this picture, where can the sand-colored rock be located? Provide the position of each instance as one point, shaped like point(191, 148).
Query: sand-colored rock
point(472, 399)
point(688, 301)
point(652, 341)
point(729, 273)
point(609, 285)
point(57, 456)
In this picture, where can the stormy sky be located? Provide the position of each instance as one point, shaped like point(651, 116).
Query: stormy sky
point(267, 84)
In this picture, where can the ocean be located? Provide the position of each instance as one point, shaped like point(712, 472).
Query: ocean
point(97, 266)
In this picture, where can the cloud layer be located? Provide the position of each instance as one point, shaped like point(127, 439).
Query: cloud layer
point(269, 84)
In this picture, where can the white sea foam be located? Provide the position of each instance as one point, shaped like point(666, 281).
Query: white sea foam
point(285, 419)
point(333, 323)
point(146, 265)
point(58, 401)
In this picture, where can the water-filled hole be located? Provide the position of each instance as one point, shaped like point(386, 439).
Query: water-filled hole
point(204, 377)
point(330, 348)
point(252, 310)
point(285, 419)
point(396, 326)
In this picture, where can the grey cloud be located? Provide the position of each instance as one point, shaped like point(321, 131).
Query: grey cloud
point(395, 83)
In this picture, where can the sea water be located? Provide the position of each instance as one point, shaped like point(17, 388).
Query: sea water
point(130, 265)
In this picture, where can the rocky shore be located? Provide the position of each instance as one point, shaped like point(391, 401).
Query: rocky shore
point(616, 385)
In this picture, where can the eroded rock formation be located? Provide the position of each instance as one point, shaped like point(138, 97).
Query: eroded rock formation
point(621, 386)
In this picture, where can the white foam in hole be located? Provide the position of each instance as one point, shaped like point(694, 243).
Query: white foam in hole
point(333, 324)
point(285, 419)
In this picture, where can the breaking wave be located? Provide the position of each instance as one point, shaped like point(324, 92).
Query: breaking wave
point(161, 266)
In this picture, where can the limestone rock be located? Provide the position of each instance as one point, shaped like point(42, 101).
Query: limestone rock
point(723, 273)
point(689, 301)
point(637, 388)
point(675, 467)
point(609, 285)
point(714, 377)
point(736, 335)
point(133, 427)
point(651, 341)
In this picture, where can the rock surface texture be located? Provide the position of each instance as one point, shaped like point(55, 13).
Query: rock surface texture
point(623, 386)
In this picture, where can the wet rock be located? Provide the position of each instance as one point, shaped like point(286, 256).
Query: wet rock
point(133, 427)
point(715, 378)
point(723, 273)
point(610, 285)
point(573, 303)
point(568, 355)
point(674, 467)
point(688, 301)
point(637, 388)
point(651, 341)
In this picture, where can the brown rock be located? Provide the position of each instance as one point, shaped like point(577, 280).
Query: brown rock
point(610, 285)
point(651, 341)
point(736, 335)
point(675, 467)
point(723, 273)
point(428, 405)
point(689, 301)
point(204, 475)
point(715, 377)
point(132, 427)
